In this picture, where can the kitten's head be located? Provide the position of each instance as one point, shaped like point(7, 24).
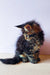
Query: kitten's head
point(30, 28)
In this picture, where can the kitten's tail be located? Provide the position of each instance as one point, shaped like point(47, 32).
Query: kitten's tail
point(14, 60)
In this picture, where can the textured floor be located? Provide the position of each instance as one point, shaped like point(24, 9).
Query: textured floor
point(41, 68)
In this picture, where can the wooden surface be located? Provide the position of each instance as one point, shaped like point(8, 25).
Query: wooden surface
point(41, 68)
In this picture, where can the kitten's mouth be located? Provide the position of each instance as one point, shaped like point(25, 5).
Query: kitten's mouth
point(32, 35)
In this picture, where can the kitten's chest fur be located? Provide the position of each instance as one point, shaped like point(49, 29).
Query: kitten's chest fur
point(28, 46)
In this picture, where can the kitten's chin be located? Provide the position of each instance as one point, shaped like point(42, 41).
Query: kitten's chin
point(27, 39)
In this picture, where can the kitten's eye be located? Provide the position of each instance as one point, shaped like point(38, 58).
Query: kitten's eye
point(27, 36)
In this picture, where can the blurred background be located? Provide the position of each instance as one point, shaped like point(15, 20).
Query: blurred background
point(16, 12)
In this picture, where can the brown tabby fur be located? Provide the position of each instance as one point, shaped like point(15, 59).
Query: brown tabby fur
point(28, 44)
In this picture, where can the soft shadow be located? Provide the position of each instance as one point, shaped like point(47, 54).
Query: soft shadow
point(45, 52)
point(45, 49)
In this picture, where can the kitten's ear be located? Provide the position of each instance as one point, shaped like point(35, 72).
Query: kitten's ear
point(20, 26)
point(27, 27)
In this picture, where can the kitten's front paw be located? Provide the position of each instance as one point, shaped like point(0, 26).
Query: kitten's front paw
point(34, 61)
point(24, 60)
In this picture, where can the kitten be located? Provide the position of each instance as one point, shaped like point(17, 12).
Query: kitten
point(28, 44)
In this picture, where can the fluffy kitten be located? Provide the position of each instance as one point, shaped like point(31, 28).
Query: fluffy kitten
point(28, 44)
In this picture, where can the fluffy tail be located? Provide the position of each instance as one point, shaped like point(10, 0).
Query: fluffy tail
point(14, 60)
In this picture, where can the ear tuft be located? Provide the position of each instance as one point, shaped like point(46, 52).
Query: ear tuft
point(20, 26)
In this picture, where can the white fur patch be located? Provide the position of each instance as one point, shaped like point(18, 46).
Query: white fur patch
point(21, 56)
point(26, 29)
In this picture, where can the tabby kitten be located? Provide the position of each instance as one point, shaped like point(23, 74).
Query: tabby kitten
point(28, 44)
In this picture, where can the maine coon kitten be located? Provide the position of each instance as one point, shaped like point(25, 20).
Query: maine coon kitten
point(28, 44)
